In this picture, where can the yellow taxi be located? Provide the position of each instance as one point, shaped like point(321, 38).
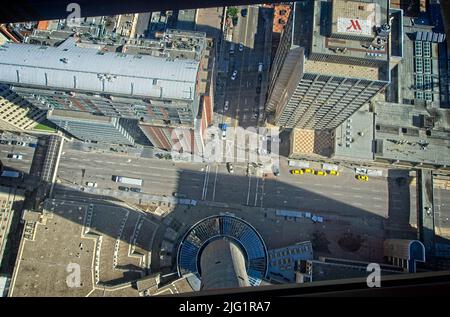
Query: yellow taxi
point(334, 173)
point(320, 173)
point(308, 171)
point(363, 178)
point(297, 172)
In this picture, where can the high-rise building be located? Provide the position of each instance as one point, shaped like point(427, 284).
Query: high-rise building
point(333, 58)
point(152, 89)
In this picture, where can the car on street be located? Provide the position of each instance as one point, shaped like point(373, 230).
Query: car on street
point(363, 178)
point(33, 145)
point(234, 75)
point(260, 67)
point(230, 167)
point(178, 195)
point(135, 189)
point(255, 115)
point(261, 151)
point(227, 105)
point(297, 172)
point(4, 142)
point(334, 173)
point(308, 170)
point(15, 156)
point(241, 47)
point(124, 189)
point(244, 13)
point(320, 173)
point(275, 170)
point(91, 184)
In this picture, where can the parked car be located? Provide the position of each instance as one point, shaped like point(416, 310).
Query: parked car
point(4, 142)
point(363, 178)
point(15, 156)
point(21, 143)
point(334, 173)
point(123, 188)
point(230, 167)
point(308, 171)
point(135, 189)
point(320, 173)
point(276, 170)
point(91, 184)
point(227, 105)
point(241, 47)
point(234, 75)
point(297, 172)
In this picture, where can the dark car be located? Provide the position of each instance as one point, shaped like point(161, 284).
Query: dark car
point(4, 142)
point(14, 142)
point(135, 189)
point(244, 13)
point(123, 188)
point(260, 77)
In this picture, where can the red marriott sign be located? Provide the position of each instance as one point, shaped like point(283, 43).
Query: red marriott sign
point(354, 26)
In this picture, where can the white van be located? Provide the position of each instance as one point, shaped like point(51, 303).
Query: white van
point(260, 67)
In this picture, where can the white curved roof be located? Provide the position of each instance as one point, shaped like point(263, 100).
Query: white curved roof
point(74, 68)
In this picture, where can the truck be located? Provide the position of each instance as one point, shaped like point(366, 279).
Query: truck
point(127, 180)
point(11, 174)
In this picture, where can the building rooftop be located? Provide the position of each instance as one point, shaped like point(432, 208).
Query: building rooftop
point(353, 138)
point(98, 237)
point(305, 142)
point(336, 34)
point(69, 67)
point(412, 133)
point(78, 115)
point(282, 261)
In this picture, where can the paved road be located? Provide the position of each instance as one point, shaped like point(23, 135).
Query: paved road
point(342, 194)
point(246, 93)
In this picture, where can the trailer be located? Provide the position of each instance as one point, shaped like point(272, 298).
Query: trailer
point(127, 180)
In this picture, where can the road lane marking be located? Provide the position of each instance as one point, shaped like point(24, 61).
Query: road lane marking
point(248, 189)
point(215, 180)
point(256, 191)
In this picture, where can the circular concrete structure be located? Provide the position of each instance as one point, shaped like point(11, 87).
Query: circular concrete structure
point(223, 252)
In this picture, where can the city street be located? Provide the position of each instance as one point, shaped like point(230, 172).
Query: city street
point(336, 194)
point(245, 94)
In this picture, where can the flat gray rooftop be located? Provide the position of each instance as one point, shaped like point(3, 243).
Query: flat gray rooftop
point(70, 67)
point(397, 127)
point(353, 138)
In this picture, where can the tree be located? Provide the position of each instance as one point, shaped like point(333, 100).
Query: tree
point(232, 12)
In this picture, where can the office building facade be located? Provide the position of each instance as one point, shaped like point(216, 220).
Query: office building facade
point(333, 58)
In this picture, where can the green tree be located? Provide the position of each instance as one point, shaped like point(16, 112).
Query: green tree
point(232, 12)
